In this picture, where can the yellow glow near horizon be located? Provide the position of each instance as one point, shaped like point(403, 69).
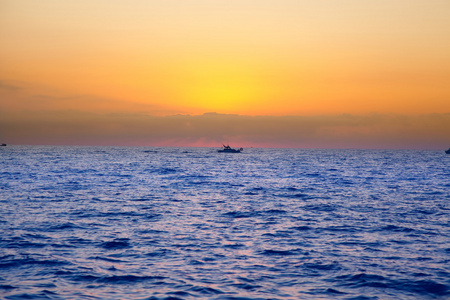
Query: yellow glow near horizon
point(226, 86)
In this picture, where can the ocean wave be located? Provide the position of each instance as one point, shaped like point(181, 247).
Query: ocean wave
point(117, 279)
point(418, 287)
point(175, 223)
point(21, 262)
point(118, 243)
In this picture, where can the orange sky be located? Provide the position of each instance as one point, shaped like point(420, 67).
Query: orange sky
point(247, 57)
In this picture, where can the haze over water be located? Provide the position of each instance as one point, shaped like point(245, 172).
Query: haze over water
point(191, 223)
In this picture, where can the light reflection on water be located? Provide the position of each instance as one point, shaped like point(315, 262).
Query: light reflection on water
point(92, 222)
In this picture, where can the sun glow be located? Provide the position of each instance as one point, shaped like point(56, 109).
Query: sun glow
point(221, 87)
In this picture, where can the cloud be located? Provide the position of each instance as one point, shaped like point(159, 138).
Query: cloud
point(4, 85)
point(211, 129)
point(18, 96)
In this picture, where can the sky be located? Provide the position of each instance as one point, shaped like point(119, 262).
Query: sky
point(253, 73)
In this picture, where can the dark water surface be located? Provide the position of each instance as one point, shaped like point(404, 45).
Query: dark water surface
point(191, 223)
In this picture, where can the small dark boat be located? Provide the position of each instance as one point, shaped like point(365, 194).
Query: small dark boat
point(228, 149)
point(3, 145)
point(447, 151)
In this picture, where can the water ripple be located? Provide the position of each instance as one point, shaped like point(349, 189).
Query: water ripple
point(173, 223)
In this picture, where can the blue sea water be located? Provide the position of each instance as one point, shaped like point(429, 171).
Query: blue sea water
point(191, 223)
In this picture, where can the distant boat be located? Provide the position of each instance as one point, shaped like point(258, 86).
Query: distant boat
point(228, 149)
point(447, 151)
point(3, 145)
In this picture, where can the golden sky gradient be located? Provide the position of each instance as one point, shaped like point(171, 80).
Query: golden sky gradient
point(249, 58)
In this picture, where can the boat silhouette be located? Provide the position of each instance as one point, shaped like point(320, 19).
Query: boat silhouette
point(228, 149)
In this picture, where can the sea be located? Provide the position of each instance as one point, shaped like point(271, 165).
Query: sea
point(191, 223)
